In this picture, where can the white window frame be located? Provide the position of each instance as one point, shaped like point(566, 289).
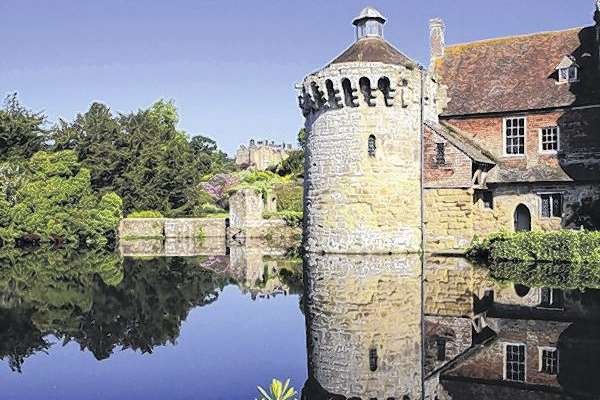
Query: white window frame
point(540, 354)
point(504, 138)
point(504, 353)
point(541, 204)
point(542, 151)
point(569, 79)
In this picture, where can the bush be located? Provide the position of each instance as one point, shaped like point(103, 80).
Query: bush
point(289, 197)
point(145, 214)
point(560, 246)
point(53, 202)
point(292, 218)
point(544, 274)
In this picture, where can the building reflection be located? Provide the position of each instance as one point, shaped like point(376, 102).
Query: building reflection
point(363, 318)
point(493, 340)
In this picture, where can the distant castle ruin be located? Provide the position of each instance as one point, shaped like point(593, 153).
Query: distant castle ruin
point(260, 155)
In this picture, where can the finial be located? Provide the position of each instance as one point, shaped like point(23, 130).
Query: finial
point(369, 23)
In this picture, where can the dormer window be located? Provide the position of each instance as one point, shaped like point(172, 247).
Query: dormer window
point(568, 70)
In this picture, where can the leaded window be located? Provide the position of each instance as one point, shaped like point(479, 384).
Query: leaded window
point(514, 136)
point(552, 205)
point(552, 298)
point(549, 361)
point(515, 362)
point(550, 136)
point(440, 154)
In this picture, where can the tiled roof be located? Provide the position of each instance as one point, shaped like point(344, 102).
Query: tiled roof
point(461, 142)
point(518, 73)
point(374, 49)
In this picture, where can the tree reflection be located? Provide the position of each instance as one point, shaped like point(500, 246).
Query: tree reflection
point(97, 300)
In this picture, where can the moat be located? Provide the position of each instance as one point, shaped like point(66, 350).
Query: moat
point(213, 326)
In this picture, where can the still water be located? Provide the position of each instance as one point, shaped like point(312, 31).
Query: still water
point(183, 320)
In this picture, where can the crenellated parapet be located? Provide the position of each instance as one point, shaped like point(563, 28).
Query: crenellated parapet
point(356, 85)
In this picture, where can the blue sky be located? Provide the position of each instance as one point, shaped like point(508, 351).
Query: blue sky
point(229, 65)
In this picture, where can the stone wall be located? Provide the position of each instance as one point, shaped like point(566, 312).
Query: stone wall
point(357, 202)
point(452, 218)
point(173, 247)
point(449, 220)
point(359, 304)
point(171, 227)
point(261, 156)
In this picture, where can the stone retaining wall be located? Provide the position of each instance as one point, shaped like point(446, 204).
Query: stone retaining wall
point(171, 227)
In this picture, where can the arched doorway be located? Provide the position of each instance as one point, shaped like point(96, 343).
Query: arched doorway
point(522, 219)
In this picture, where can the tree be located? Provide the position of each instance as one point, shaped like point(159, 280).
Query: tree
point(22, 131)
point(55, 203)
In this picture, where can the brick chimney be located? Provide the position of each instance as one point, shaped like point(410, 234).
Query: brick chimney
point(437, 32)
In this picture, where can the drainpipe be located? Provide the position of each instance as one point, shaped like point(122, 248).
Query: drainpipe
point(422, 172)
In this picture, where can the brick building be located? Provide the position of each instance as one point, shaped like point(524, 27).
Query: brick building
point(517, 146)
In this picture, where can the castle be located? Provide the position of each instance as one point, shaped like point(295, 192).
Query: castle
point(500, 134)
point(402, 160)
point(261, 155)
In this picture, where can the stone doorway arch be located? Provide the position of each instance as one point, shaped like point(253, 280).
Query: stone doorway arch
point(522, 219)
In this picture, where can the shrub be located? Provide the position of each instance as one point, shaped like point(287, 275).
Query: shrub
point(559, 246)
point(145, 214)
point(292, 218)
point(545, 274)
point(289, 197)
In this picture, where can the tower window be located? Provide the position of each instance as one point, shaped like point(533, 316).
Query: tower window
point(549, 139)
point(552, 298)
point(332, 95)
point(486, 197)
point(514, 136)
point(440, 154)
point(372, 146)
point(373, 359)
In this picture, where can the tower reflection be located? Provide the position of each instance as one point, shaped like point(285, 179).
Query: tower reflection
point(363, 318)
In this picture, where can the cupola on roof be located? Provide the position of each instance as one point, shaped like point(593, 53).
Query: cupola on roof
point(370, 45)
point(369, 23)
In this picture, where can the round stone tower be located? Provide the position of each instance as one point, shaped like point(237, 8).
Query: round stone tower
point(364, 113)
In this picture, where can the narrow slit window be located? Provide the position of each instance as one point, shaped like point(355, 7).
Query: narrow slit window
point(372, 146)
point(367, 91)
point(514, 136)
point(514, 356)
point(332, 95)
point(373, 359)
point(385, 87)
point(440, 154)
point(440, 344)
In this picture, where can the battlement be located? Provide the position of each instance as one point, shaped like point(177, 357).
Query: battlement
point(365, 86)
point(266, 143)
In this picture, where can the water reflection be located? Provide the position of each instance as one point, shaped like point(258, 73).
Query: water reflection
point(491, 338)
point(363, 317)
point(103, 301)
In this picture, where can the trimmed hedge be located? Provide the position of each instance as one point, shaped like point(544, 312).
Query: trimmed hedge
point(558, 247)
point(545, 274)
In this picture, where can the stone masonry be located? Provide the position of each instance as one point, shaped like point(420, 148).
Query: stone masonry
point(360, 307)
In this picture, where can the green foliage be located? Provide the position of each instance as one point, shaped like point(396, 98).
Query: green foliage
point(289, 196)
point(260, 181)
point(292, 165)
point(96, 299)
point(145, 214)
point(142, 156)
point(545, 274)
point(278, 391)
point(53, 202)
point(559, 246)
point(301, 137)
point(292, 218)
point(22, 131)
